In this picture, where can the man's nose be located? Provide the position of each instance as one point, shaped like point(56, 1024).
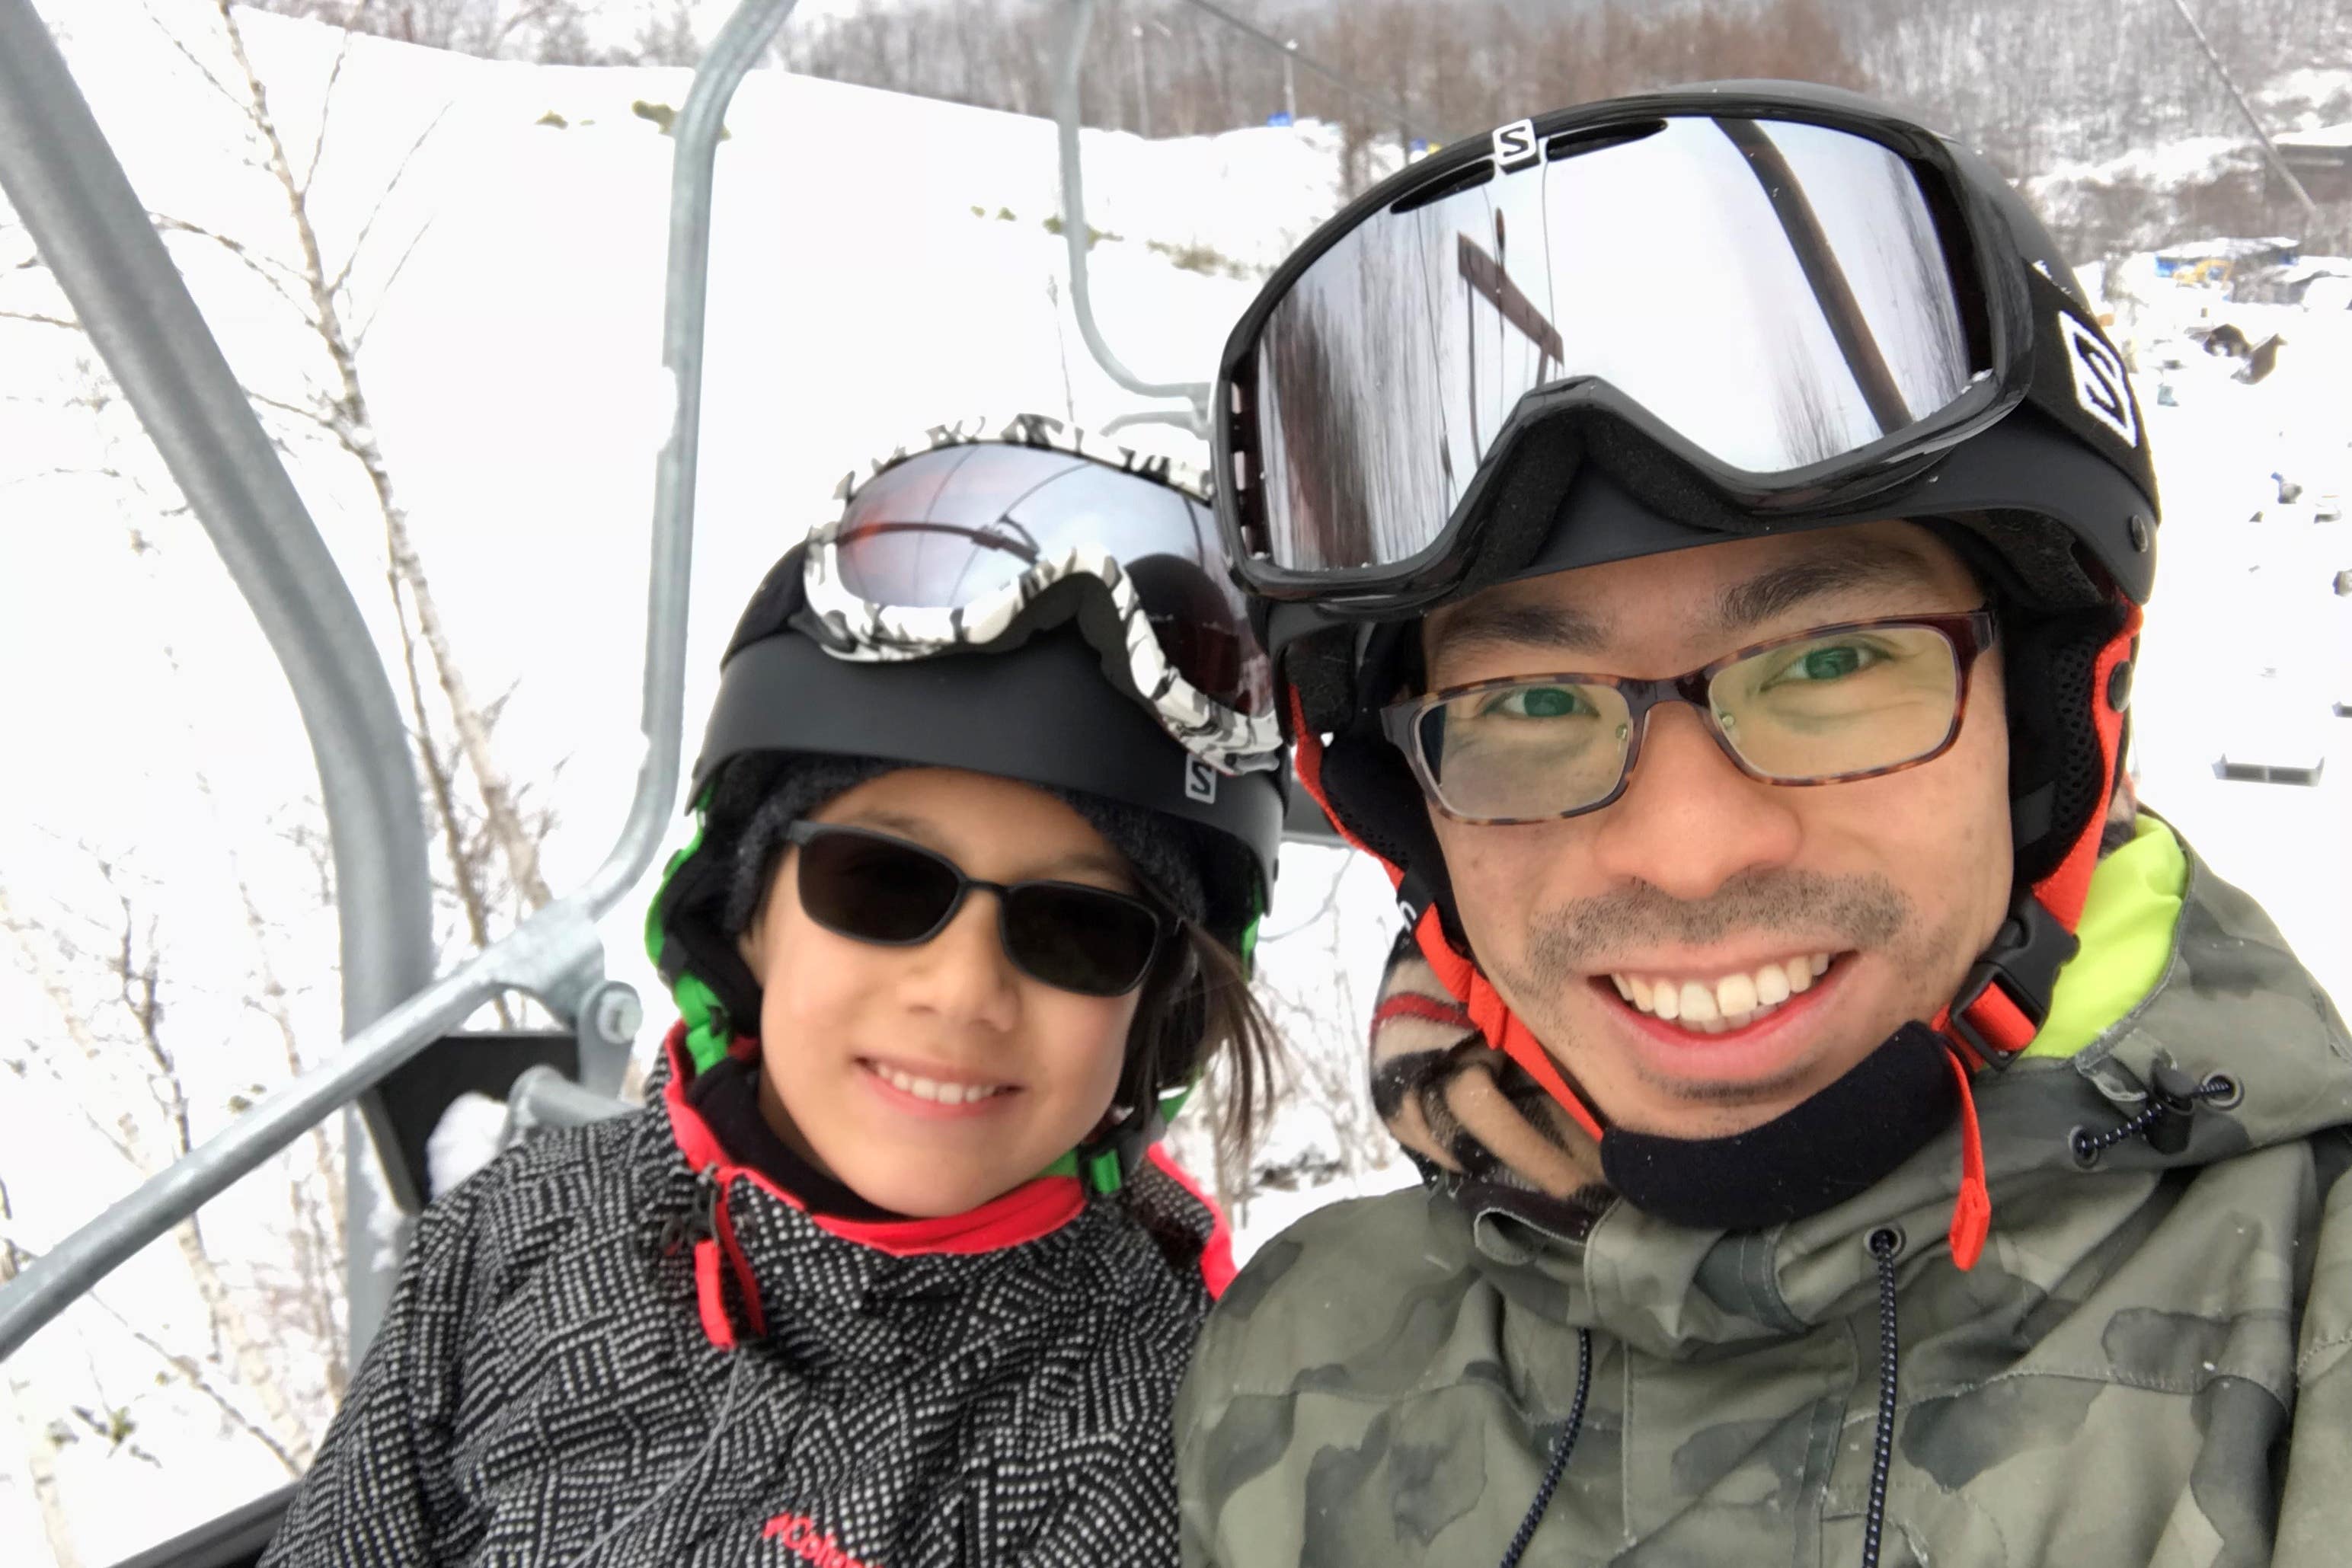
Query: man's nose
point(1690, 820)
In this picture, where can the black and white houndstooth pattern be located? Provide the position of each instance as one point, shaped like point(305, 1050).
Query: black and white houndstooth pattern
point(1231, 741)
point(543, 1392)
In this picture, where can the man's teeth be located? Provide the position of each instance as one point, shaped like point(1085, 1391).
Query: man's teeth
point(1729, 1002)
point(932, 1089)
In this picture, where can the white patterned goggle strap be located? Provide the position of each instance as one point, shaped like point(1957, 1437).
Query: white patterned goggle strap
point(858, 628)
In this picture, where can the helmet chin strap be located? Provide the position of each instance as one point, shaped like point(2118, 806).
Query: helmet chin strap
point(1906, 1090)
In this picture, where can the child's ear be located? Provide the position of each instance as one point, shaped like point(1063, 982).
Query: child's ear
point(753, 945)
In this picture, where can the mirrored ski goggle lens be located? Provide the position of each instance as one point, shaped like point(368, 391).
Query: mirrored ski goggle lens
point(950, 528)
point(1834, 707)
point(1776, 294)
point(872, 889)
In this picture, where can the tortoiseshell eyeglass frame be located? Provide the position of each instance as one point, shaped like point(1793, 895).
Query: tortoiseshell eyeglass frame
point(1968, 633)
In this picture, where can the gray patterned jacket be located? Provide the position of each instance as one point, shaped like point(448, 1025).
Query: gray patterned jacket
point(592, 1359)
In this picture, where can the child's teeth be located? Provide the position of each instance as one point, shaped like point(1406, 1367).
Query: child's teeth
point(937, 1092)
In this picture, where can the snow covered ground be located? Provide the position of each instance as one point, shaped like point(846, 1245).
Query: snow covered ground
point(879, 264)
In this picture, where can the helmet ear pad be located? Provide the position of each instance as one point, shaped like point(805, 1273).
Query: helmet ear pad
point(1171, 1018)
point(1368, 786)
point(2057, 773)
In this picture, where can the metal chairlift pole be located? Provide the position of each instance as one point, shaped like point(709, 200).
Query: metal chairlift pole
point(1078, 17)
point(56, 167)
point(2270, 149)
point(96, 235)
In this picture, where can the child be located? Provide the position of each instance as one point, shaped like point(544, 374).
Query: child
point(891, 1272)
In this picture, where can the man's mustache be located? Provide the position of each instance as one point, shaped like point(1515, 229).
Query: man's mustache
point(1865, 911)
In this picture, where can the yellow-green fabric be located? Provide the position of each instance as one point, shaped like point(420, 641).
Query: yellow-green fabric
point(2127, 936)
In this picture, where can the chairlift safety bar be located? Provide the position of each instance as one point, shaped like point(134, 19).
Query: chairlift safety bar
point(63, 178)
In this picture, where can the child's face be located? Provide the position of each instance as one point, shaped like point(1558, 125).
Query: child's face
point(849, 1027)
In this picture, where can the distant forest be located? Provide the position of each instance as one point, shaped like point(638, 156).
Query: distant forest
point(2038, 85)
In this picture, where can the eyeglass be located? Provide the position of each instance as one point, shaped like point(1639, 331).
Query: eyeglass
point(872, 887)
point(1836, 703)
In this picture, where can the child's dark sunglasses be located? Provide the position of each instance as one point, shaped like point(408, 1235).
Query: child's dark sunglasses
point(871, 887)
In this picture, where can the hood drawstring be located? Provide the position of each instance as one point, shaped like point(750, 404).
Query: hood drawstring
point(2172, 1100)
point(1560, 1450)
point(1886, 1243)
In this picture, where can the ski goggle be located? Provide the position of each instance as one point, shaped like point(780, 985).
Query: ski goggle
point(871, 887)
point(979, 536)
point(1801, 303)
point(1824, 707)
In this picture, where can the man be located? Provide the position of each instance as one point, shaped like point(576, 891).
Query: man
point(1704, 537)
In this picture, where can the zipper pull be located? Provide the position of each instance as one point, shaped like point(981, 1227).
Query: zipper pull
point(710, 1289)
point(699, 1221)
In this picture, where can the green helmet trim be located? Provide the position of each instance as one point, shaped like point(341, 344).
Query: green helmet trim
point(708, 1027)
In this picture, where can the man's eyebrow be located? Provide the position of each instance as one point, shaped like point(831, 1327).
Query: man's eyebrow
point(1846, 565)
point(1841, 565)
point(1515, 623)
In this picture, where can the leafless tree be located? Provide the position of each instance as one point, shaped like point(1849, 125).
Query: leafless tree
point(39, 1450)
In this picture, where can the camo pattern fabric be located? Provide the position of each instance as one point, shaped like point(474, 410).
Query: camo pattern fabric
point(852, 627)
point(2150, 1365)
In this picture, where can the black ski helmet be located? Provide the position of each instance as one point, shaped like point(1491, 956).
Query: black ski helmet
point(2054, 506)
point(2047, 490)
point(1045, 695)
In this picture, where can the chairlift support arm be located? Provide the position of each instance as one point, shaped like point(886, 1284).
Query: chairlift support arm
point(56, 167)
point(1078, 21)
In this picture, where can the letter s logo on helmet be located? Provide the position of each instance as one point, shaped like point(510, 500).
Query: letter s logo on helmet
point(1515, 145)
point(2100, 381)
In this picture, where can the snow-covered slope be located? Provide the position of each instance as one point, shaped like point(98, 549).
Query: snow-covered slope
point(879, 264)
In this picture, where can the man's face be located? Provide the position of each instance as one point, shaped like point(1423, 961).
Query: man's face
point(1862, 903)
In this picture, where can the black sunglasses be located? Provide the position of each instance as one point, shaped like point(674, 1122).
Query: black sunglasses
point(871, 887)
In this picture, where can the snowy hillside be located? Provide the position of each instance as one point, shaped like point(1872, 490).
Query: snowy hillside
point(881, 263)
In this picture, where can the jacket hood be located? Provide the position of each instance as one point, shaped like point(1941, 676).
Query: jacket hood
point(2177, 966)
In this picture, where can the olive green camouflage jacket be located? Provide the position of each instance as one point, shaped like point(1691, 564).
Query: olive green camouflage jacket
point(2150, 1365)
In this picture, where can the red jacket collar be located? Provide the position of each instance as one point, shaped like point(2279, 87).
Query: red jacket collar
point(1034, 1209)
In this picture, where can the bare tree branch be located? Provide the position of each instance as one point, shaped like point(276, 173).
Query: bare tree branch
point(244, 107)
point(252, 1364)
point(359, 244)
point(40, 1459)
point(261, 266)
point(360, 337)
point(326, 110)
point(356, 431)
point(38, 319)
point(192, 1371)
